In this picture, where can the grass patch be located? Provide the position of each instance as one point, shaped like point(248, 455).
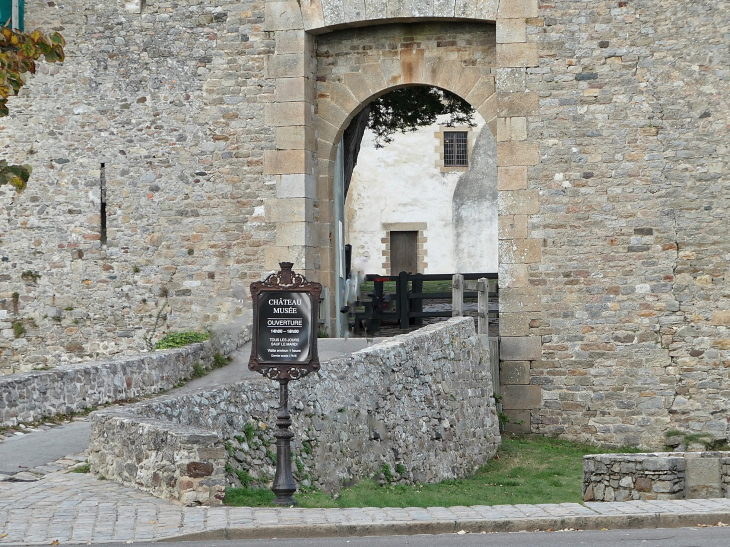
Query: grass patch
point(198, 372)
point(18, 329)
point(85, 468)
point(528, 470)
point(389, 286)
point(219, 361)
point(180, 339)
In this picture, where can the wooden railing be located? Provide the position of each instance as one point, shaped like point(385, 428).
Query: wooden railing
point(408, 309)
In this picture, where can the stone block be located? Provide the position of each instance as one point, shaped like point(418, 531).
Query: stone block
point(511, 30)
point(518, 153)
point(469, 77)
point(343, 98)
point(520, 251)
point(520, 348)
point(512, 129)
point(296, 186)
point(359, 86)
point(510, 80)
point(518, 300)
point(514, 372)
point(283, 15)
point(517, 104)
point(512, 276)
point(512, 178)
point(287, 114)
point(332, 114)
point(411, 65)
point(517, 55)
point(721, 318)
point(488, 111)
point(312, 15)
point(295, 90)
point(293, 41)
point(443, 8)
point(480, 93)
point(287, 162)
point(517, 9)
point(514, 324)
point(290, 65)
point(353, 10)
point(374, 74)
point(284, 210)
point(643, 484)
point(293, 233)
point(521, 397)
point(486, 10)
point(133, 6)
point(702, 477)
point(512, 226)
point(518, 202)
point(518, 421)
point(300, 137)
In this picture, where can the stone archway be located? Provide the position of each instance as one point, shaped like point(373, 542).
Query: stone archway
point(358, 65)
point(309, 112)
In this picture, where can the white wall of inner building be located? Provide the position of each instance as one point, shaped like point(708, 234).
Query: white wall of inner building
point(403, 183)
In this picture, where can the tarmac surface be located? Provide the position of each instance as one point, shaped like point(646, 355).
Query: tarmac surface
point(47, 503)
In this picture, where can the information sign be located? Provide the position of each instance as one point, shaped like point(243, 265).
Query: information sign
point(284, 333)
point(284, 348)
point(285, 308)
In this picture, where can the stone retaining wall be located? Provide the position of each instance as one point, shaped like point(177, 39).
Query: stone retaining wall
point(656, 476)
point(29, 396)
point(176, 462)
point(416, 408)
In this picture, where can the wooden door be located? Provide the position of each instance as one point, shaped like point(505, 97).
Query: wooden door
point(403, 252)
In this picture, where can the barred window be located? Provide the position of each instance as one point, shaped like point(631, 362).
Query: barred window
point(455, 151)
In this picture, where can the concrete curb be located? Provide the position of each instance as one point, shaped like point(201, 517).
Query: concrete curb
point(474, 526)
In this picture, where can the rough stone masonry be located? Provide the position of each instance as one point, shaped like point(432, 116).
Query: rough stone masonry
point(210, 127)
point(416, 408)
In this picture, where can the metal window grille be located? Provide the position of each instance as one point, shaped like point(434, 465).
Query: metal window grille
point(455, 149)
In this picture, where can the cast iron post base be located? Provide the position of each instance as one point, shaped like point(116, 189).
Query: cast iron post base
point(284, 485)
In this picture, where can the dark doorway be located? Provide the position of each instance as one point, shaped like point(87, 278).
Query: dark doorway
point(403, 252)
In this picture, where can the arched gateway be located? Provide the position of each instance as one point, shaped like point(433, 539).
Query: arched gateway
point(325, 75)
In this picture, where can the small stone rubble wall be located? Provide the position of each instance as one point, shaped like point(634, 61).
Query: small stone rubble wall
point(416, 408)
point(29, 396)
point(172, 461)
point(656, 476)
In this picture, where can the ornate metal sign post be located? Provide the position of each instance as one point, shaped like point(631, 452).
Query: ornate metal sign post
point(284, 348)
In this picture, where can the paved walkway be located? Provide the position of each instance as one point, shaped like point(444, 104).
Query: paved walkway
point(75, 508)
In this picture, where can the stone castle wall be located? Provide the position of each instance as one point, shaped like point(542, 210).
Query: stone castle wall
point(629, 297)
point(612, 170)
point(170, 102)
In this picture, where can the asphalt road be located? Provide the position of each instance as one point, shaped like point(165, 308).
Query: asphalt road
point(24, 452)
point(662, 537)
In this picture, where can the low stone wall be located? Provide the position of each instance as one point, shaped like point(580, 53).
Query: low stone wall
point(175, 462)
point(656, 476)
point(416, 408)
point(29, 396)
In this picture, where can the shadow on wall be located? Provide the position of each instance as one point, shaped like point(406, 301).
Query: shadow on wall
point(475, 211)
